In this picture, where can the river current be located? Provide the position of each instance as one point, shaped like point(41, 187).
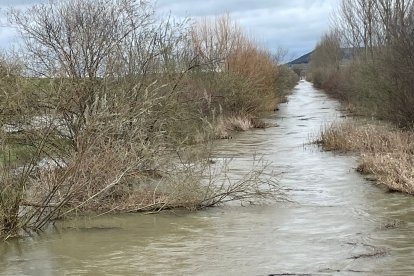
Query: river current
point(335, 223)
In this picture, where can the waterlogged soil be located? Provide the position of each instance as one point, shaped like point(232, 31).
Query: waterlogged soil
point(336, 222)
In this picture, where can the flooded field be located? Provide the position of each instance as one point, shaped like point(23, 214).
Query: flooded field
point(335, 222)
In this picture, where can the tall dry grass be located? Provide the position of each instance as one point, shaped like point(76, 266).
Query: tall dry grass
point(385, 152)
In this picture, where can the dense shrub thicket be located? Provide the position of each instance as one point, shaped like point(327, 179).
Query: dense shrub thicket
point(379, 79)
point(103, 100)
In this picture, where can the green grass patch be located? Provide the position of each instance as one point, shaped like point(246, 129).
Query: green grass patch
point(16, 153)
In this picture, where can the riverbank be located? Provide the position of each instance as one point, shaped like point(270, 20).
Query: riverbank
point(372, 75)
point(112, 126)
point(386, 152)
point(359, 226)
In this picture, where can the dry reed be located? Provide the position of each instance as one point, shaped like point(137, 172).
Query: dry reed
point(386, 153)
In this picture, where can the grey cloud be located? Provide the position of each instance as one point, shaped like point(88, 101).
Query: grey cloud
point(295, 25)
point(7, 36)
point(292, 24)
point(211, 7)
point(6, 3)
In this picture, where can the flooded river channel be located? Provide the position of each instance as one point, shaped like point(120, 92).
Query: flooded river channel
point(336, 223)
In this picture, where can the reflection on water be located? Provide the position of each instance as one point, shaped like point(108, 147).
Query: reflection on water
point(338, 222)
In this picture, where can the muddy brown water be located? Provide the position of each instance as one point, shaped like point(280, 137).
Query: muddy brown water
point(337, 223)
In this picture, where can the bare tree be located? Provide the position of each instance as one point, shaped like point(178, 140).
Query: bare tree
point(87, 47)
point(326, 58)
point(75, 38)
point(381, 36)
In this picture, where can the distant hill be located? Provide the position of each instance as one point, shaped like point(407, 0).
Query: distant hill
point(346, 55)
point(302, 60)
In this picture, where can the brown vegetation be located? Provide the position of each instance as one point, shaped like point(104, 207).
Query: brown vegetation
point(386, 153)
point(108, 97)
point(378, 81)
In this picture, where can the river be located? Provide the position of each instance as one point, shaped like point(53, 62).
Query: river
point(336, 222)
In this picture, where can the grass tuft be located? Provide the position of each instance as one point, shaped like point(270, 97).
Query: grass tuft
point(386, 153)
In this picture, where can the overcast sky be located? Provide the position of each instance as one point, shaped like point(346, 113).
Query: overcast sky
point(295, 25)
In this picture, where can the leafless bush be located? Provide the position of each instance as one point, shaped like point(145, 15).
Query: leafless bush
point(379, 79)
point(325, 59)
point(108, 96)
point(201, 185)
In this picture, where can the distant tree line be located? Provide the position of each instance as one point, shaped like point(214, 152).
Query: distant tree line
point(379, 80)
